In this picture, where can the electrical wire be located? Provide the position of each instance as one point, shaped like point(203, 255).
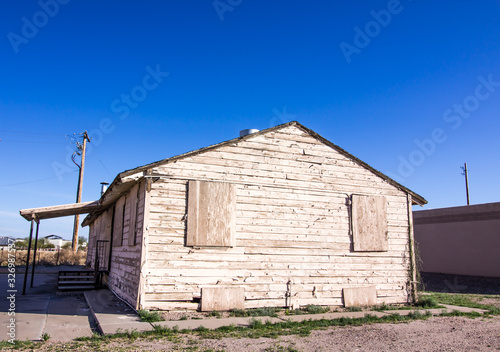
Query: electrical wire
point(36, 133)
point(35, 137)
point(43, 142)
point(39, 180)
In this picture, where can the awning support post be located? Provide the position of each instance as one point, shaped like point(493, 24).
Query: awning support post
point(28, 257)
point(34, 254)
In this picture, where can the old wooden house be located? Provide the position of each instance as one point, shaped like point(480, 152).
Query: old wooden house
point(280, 217)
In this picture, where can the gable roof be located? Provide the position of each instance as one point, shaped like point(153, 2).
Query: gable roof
point(126, 179)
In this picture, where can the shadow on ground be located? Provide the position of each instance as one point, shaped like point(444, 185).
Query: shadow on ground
point(450, 283)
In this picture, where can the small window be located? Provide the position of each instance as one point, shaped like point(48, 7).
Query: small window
point(119, 221)
point(369, 223)
point(211, 214)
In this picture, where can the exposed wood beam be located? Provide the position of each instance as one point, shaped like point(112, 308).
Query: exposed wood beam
point(59, 210)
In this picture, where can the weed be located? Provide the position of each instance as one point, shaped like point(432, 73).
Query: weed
point(200, 329)
point(255, 312)
point(354, 309)
point(309, 309)
point(238, 313)
point(383, 307)
point(314, 309)
point(17, 345)
point(150, 317)
point(256, 324)
point(427, 302)
point(45, 336)
point(184, 317)
point(456, 313)
point(214, 314)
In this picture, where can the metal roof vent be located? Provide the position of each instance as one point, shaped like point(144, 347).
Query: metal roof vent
point(247, 132)
point(104, 187)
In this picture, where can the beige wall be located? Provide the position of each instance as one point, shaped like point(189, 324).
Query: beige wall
point(460, 240)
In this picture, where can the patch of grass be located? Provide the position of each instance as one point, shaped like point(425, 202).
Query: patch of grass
point(18, 345)
point(427, 302)
point(184, 317)
point(353, 309)
point(309, 309)
point(214, 313)
point(456, 313)
point(238, 313)
point(383, 307)
point(464, 300)
point(314, 309)
point(255, 312)
point(150, 317)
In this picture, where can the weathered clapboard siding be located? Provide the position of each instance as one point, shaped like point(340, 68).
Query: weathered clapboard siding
point(123, 275)
point(125, 259)
point(292, 224)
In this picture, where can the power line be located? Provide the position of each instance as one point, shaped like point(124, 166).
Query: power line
point(39, 180)
point(35, 133)
point(34, 137)
point(43, 142)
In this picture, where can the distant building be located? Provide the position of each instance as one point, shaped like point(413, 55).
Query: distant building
point(57, 241)
point(459, 240)
point(4, 241)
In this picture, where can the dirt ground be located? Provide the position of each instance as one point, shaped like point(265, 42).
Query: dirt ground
point(435, 334)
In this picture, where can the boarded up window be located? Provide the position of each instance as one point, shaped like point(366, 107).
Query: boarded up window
point(211, 214)
point(369, 223)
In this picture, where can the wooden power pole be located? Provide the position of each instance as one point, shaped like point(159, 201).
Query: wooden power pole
point(76, 225)
point(465, 173)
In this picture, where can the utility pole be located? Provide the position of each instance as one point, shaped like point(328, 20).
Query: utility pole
point(465, 173)
point(81, 151)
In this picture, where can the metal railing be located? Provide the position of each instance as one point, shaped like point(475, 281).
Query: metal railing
point(101, 261)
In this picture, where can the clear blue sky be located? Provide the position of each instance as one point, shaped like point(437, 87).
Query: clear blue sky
point(378, 78)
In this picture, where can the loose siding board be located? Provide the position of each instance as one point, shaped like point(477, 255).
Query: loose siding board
point(292, 225)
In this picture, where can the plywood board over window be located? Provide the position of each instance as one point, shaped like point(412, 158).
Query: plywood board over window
point(211, 214)
point(369, 223)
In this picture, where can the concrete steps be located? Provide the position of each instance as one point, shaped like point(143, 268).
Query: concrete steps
point(76, 280)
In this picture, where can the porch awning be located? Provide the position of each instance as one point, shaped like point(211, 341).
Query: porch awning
point(59, 210)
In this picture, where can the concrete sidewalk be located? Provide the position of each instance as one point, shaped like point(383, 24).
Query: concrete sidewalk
point(112, 314)
point(63, 317)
